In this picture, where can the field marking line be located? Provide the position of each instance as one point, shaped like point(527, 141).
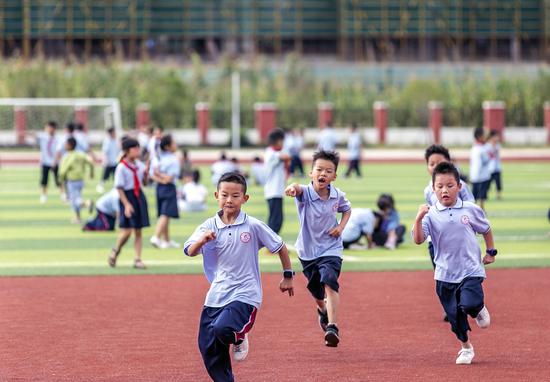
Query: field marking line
point(347, 258)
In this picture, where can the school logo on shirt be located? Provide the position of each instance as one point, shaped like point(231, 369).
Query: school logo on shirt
point(245, 237)
point(465, 219)
point(335, 207)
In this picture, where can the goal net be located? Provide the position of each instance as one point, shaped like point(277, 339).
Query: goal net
point(20, 118)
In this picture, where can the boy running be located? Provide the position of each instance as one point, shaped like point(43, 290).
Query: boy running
point(459, 272)
point(319, 244)
point(229, 243)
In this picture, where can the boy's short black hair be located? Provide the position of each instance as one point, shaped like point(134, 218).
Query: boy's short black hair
point(79, 126)
point(479, 133)
point(70, 127)
point(446, 168)
point(385, 201)
point(52, 124)
point(71, 142)
point(257, 159)
point(196, 176)
point(233, 177)
point(129, 143)
point(223, 156)
point(165, 142)
point(331, 156)
point(111, 130)
point(492, 133)
point(275, 136)
point(437, 149)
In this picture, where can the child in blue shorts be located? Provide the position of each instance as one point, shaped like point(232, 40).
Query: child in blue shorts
point(319, 244)
point(229, 243)
point(130, 177)
point(166, 170)
point(459, 269)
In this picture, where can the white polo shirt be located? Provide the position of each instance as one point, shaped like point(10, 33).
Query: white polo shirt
point(453, 231)
point(480, 170)
point(274, 168)
point(231, 260)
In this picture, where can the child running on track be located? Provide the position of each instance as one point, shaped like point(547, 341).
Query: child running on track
point(459, 269)
point(229, 243)
point(319, 244)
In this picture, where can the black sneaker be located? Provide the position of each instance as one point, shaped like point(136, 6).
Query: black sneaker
point(323, 319)
point(331, 336)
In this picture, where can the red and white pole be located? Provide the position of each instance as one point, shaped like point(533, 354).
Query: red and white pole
point(265, 117)
point(20, 124)
point(143, 115)
point(381, 120)
point(494, 116)
point(324, 113)
point(81, 116)
point(435, 120)
point(203, 121)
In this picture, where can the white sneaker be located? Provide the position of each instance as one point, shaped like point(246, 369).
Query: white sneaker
point(43, 199)
point(483, 319)
point(155, 242)
point(465, 356)
point(163, 244)
point(100, 189)
point(172, 244)
point(241, 351)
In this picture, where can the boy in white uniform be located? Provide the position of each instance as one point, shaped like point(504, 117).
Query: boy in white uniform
point(193, 194)
point(452, 225)
point(327, 138)
point(48, 143)
point(275, 163)
point(229, 243)
point(111, 155)
point(480, 172)
point(319, 243)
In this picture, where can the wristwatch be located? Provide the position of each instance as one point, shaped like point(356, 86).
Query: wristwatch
point(491, 252)
point(288, 274)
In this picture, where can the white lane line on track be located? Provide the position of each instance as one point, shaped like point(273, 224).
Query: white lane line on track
point(275, 260)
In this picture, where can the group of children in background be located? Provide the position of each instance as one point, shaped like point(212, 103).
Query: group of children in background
point(230, 240)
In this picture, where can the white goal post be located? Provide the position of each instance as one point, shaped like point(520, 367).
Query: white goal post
point(21, 115)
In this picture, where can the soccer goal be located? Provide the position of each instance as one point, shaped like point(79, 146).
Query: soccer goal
point(21, 117)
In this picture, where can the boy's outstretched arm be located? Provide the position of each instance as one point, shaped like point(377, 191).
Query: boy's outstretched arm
point(337, 231)
point(194, 249)
point(489, 244)
point(286, 284)
point(294, 190)
point(418, 233)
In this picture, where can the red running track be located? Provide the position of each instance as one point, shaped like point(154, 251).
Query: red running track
point(143, 328)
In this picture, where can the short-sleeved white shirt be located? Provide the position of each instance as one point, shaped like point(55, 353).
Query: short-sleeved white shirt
point(231, 262)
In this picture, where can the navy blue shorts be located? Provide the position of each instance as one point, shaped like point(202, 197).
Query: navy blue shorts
point(219, 328)
point(459, 301)
point(140, 217)
point(480, 189)
point(320, 272)
point(167, 200)
point(102, 222)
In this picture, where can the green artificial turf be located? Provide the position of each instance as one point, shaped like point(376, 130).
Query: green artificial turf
point(38, 239)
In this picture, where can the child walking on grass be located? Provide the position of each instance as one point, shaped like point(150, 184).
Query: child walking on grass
point(130, 177)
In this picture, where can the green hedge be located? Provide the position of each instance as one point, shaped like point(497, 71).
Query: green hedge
point(173, 91)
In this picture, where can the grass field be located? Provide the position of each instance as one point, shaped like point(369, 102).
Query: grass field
point(38, 239)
